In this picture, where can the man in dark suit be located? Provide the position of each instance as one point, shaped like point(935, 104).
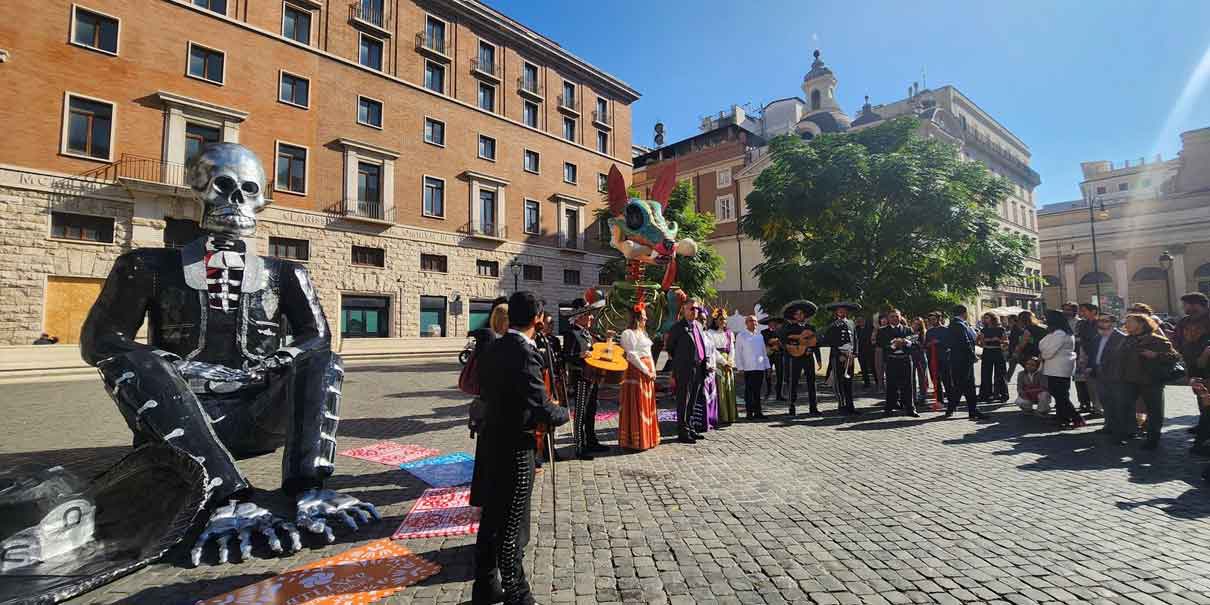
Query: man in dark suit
point(577, 345)
point(510, 378)
point(1105, 375)
point(776, 375)
point(687, 354)
point(960, 339)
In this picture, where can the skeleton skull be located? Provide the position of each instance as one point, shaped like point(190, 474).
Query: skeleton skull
point(230, 183)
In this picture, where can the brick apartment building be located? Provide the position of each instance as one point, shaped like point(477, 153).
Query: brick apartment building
point(419, 152)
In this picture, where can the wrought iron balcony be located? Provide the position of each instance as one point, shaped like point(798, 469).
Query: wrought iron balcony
point(602, 118)
point(136, 168)
point(486, 69)
point(985, 143)
point(365, 14)
point(371, 210)
point(569, 104)
point(435, 46)
point(530, 87)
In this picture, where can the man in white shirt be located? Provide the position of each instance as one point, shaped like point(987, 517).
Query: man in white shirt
point(750, 358)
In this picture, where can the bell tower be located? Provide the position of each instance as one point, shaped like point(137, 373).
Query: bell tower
point(819, 86)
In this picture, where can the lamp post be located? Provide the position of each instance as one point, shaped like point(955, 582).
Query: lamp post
point(1166, 262)
point(516, 268)
point(1092, 227)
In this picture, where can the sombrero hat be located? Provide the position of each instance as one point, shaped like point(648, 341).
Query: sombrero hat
point(771, 318)
point(852, 306)
point(806, 306)
point(580, 306)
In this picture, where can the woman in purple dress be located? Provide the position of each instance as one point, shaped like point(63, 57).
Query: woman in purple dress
point(708, 396)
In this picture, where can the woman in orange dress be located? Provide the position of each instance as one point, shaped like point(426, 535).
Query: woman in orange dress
point(638, 421)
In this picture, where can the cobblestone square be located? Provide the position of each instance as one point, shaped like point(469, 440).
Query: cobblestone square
point(827, 510)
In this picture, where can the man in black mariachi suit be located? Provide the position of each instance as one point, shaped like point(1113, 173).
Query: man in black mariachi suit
point(687, 356)
point(897, 361)
point(577, 345)
point(960, 341)
point(797, 314)
point(844, 348)
point(511, 381)
point(772, 337)
point(217, 380)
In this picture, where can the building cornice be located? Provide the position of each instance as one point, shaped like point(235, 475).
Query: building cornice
point(367, 147)
point(173, 99)
point(474, 175)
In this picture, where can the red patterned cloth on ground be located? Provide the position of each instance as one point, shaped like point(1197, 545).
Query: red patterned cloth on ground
point(390, 453)
point(440, 512)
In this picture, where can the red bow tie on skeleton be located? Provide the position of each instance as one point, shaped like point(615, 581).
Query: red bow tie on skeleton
point(224, 273)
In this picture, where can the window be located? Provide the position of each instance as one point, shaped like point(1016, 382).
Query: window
point(531, 272)
point(602, 108)
point(569, 129)
point(571, 277)
point(364, 316)
point(571, 232)
point(1100, 190)
point(218, 6)
point(533, 217)
point(480, 312)
point(569, 94)
point(1123, 186)
point(365, 256)
point(434, 32)
point(434, 197)
point(487, 211)
point(434, 132)
point(198, 136)
point(179, 232)
point(569, 173)
point(487, 58)
point(487, 268)
point(529, 77)
point(89, 128)
point(722, 178)
point(370, 52)
point(205, 63)
point(432, 316)
point(296, 24)
point(95, 31)
point(436, 263)
point(531, 161)
point(602, 141)
point(82, 227)
point(724, 208)
point(434, 77)
point(487, 148)
point(291, 169)
point(529, 114)
point(602, 182)
point(294, 90)
point(487, 97)
point(369, 112)
point(292, 249)
point(369, 182)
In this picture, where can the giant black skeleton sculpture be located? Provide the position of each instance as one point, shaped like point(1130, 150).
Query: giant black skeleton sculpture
point(219, 379)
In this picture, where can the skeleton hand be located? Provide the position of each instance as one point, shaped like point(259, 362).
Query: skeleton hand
point(317, 508)
point(240, 519)
point(276, 361)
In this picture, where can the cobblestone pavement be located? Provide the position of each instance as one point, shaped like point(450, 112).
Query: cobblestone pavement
point(874, 510)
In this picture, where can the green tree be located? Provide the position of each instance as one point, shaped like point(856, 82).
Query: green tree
point(880, 216)
point(696, 274)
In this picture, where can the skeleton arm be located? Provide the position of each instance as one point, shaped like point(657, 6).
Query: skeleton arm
point(115, 318)
point(300, 303)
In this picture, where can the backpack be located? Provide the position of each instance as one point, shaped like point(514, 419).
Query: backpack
point(468, 379)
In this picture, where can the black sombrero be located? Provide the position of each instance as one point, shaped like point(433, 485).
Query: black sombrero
point(852, 306)
point(806, 306)
point(580, 306)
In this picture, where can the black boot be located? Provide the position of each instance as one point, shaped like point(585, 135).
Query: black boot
point(487, 592)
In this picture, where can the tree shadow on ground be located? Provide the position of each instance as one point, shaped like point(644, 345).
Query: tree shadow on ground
point(188, 593)
point(450, 393)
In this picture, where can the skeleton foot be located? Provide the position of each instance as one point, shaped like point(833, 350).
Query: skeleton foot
point(239, 520)
point(318, 508)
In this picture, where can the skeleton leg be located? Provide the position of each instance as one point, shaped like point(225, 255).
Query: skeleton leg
point(158, 406)
point(307, 409)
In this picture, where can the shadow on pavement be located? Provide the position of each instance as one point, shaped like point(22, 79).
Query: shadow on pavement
point(187, 593)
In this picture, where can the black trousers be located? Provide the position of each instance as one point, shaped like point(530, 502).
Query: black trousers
point(753, 380)
point(686, 391)
point(1060, 389)
point(1082, 394)
point(504, 530)
point(298, 407)
point(962, 384)
point(798, 367)
point(992, 381)
point(866, 359)
point(584, 425)
point(1153, 399)
point(776, 376)
point(899, 384)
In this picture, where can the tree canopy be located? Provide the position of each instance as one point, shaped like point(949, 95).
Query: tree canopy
point(881, 216)
point(697, 274)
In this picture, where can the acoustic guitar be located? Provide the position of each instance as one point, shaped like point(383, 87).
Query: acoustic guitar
point(798, 345)
point(607, 357)
point(772, 346)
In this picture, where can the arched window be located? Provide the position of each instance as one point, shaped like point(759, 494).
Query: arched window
point(1092, 279)
point(815, 100)
point(1149, 274)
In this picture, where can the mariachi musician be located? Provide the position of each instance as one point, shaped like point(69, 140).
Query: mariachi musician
point(796, 334)
point(554, 377)
point(777, 374)
point(840, 337)
point(584, 380)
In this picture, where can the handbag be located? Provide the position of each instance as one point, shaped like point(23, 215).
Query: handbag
point(468, 379)
point(1167, 373)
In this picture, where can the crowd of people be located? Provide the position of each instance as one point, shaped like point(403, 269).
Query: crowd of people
point(527, 381)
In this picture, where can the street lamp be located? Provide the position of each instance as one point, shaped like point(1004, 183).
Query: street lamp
point(1096, 269)
point(516, 268)
point(1166, 262)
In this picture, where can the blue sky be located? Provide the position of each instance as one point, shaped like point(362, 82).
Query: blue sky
point(1076, 81)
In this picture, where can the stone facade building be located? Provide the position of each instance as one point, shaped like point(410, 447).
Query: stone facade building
point(1139, 212)
point(730, 152)
point(424, 156)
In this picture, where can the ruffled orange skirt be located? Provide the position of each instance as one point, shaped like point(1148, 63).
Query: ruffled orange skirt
point(638, 418)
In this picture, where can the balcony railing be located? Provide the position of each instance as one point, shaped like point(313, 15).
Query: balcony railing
point(602, 117)
point(360, 12)
point(489, 231)
point(139, 168)
point(985, 143)
point(570, 104)
point(373, 210)
point(435, 45)
point(529, 86)
point(490, 69)
point(570, 242)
